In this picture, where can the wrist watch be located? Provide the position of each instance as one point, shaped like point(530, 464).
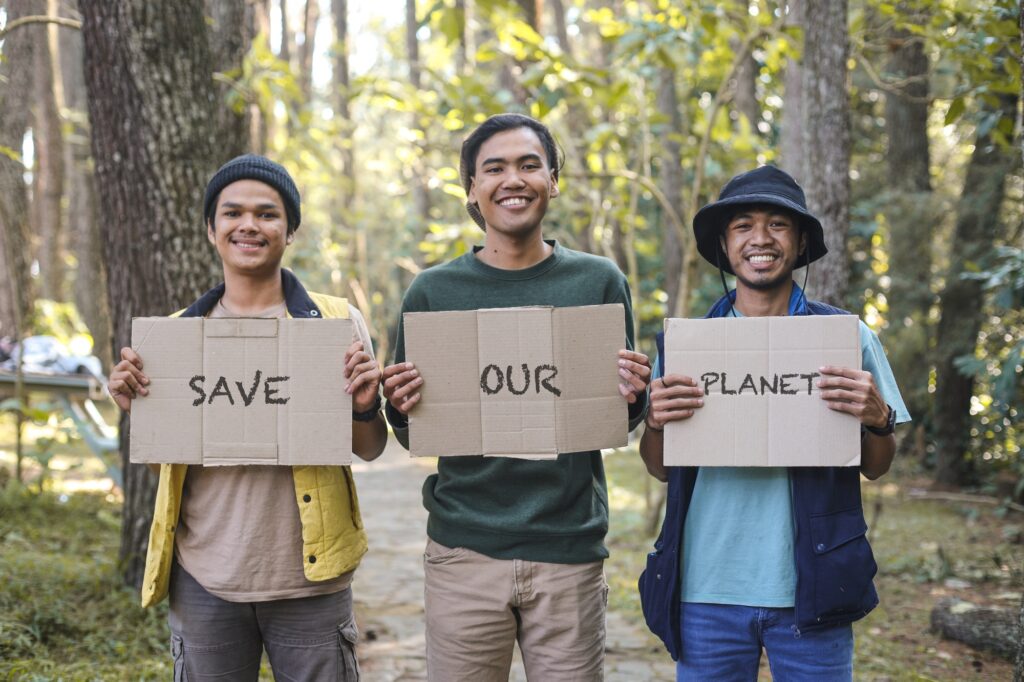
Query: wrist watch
point(370, 414)
point(890, 424)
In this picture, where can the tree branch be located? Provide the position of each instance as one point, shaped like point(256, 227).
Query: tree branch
point(39, 19)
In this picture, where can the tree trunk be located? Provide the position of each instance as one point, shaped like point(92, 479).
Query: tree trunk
point(576, 122)
point(82, 226)
point(745, 93)
point(16, 72)
point(977, 228)
point(284, 51)
point(231, 34)
point(310, 20)
point(671, 183)
point(827, 142)
point(420, 191)
point(48, 175)
point(148, 73)
point(791, 142)
point(911, 217)
point(985, 628)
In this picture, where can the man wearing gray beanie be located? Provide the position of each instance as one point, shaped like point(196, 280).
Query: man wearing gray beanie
point(260, 557)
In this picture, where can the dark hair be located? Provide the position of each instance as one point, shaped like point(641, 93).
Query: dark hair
point(488, 129)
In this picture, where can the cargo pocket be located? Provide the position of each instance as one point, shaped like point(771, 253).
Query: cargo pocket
point(844, 564)
point(348, 635)
point(178, 654)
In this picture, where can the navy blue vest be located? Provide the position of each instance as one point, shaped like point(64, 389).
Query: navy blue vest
point(834, 563)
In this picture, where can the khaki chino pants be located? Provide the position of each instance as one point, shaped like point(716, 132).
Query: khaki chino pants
point(478, 607)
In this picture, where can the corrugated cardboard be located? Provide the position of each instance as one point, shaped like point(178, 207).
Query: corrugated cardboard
point(467, 407)
point(756, 426)
point(300, 362)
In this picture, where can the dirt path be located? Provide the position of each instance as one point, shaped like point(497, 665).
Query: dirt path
point(389, 584)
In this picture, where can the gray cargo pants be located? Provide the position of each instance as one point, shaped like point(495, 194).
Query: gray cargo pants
point(311, 638)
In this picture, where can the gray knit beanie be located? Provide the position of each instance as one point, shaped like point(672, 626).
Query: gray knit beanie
point(253, 167)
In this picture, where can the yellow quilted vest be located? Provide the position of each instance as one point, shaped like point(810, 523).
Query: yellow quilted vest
point(333, 540)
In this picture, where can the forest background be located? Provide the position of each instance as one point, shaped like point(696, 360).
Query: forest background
point(902, 120)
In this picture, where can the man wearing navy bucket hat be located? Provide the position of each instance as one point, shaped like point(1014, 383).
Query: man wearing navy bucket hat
point(733, 571)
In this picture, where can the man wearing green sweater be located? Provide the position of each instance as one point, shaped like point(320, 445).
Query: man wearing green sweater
point(516, 547)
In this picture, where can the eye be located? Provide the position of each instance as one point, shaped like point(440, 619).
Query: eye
point(268, 215)
point(492, 170)
point(531, 166)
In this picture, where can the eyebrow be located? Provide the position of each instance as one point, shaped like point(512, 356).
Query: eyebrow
point(259, 207)
point(525, 157)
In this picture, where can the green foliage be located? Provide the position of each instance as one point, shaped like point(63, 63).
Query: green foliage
point(63, 612)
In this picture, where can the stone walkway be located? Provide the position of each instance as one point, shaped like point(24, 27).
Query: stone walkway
point(388, 586)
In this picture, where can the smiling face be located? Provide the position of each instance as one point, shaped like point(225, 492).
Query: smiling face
point(250, 228)
point(512, 183)
point(763, 244)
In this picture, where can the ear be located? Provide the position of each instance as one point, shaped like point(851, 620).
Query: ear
point(471, 194)
point(290, 238)
point(554, 186)
point(210, 233)
point(803, 243)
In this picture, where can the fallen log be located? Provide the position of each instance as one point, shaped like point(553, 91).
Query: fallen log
point(981, 627)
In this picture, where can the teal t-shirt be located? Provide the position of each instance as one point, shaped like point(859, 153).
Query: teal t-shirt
point(738, 534)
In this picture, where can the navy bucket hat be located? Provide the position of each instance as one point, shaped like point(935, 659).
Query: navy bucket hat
point(766, 185)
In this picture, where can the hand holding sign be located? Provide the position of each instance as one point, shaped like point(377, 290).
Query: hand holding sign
point(126, 380)
point(402, 384)
point(853, 391)
point(363, 376)
point(673, 397)
point(635, 370)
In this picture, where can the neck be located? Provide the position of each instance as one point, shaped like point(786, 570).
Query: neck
point(246, 294)
point(510, 253)
point(763, 302)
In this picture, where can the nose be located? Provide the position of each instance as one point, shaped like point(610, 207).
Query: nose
point(248, 222)
point(760, 234)
point(513, 179)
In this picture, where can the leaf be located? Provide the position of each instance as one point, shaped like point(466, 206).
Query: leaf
point(956, 110)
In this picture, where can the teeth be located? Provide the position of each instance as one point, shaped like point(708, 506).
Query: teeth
point(513, 201)
point(762, 259)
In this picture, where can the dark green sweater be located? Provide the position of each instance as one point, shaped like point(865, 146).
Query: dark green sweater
point(537, 510)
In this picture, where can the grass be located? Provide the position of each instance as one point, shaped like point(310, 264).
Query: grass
point(65, 616)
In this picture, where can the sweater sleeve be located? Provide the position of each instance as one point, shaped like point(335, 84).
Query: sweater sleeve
point(414, 301)
point(619, 293)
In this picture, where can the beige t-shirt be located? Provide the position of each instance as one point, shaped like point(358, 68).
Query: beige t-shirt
point(239, 533)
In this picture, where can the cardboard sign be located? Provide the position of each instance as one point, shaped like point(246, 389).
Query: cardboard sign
point(229, 391)
point(517, 381)
point(761, 400)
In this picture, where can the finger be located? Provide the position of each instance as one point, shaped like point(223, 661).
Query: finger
point(361, 381)
point(395, 382)
point(393, 370)
point(675, 392)
point(633, 356)
point(131, 356)
point(636, 383)
point(847, 372)
point(663, 417)
point(642, 371)
point(843, 395)
point(408, 404)
point(363, 375)
point(678, 380)
point(131, 382)
point(678, 404)
point(352, 350)
point(406, 390)
point(357, 358)
point(837, 381)
point(627, 393)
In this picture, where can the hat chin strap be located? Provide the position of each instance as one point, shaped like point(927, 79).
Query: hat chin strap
point(725, 286)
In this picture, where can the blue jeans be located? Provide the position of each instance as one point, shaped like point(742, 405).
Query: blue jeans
point(723, 642)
